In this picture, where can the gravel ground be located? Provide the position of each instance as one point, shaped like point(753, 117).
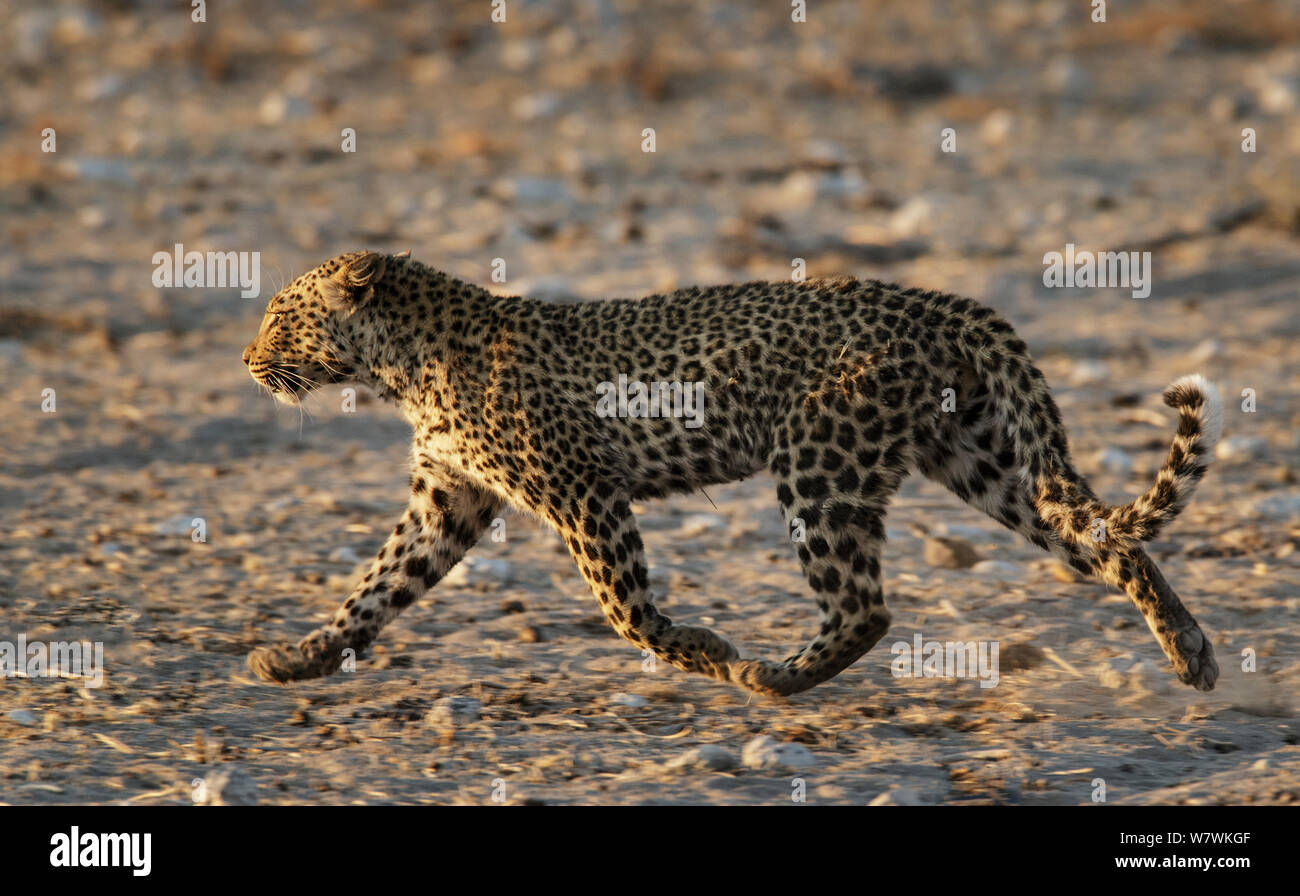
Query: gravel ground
point(523, 141)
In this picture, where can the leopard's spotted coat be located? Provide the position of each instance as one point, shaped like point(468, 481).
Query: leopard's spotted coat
point(835, 387)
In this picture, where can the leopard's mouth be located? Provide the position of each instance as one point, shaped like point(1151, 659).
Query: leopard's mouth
point(285, 385)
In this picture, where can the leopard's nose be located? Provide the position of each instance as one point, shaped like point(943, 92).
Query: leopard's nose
point(248, 353)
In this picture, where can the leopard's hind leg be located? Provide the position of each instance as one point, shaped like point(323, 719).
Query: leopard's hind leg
point(969, 453)
point(838, 459)
point(837, 521)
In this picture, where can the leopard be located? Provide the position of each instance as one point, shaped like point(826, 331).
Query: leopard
point(839, 388)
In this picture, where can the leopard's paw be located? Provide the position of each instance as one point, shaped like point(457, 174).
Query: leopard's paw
point(763, 677)
point(282, 663)
point(1193, 659)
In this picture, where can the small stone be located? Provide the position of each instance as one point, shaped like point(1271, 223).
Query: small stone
point(532, 106)
point(108, 170)
point(79, 26)
point(1242, 448)
point(31, 35)
point(1089, 372)
point(1111, 673)
point(532, 190)
point(519, 54)
point(959, 530)
point(346, 555)
point(913, 217)
point(513, 606)
point(996, 127)
point(452, 712)
point(763, 752)
point(999, 569)
point(100, 87)
point(698, 524)
point(898, 796)
point(1115, 460)
point(276, 108)
point(1232, 106)
point(531, 634)
point(1015, 657)
point(1278, 507)
point(632, 701)
point(823, 154)
point(1067, 76)
point(709, 757)
point(478, 570)
point(226, 786)
point(1277, 91)
point(21, 716)
point(1209, 350)
point(1138, 675)
point(950, 553)
point(176, 525)
point(803, 189)
point(1174, 40)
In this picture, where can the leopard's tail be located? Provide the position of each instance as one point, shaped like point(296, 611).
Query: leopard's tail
point(1080, 517)
point(1033, 433)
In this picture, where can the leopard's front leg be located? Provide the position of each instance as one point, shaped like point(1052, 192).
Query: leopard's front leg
point(444, 519)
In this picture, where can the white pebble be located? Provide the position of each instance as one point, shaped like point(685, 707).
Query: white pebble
point(1209, 350)
point(175, 525)
point(532, 190)
point(1278, 507)
point(1115, 460)
point(449, 712)
point(999, 569)
point(226, 786)
point(475, 570)
point(633, 701)
point(276, 108)
point(699, 523)
point(1089, 373)
point(709, 757)
point(345, 555)
point(112, 170)
point(1238, 448)
point(912, 218)
point(1132, 673)
point(898, 796)
point(765, 753)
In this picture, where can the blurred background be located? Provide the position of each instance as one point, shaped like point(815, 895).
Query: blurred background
point(524, 141)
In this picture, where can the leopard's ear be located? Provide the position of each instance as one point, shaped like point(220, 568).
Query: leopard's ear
point(353, 284)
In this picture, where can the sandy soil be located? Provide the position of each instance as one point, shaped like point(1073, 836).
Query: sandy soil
point(523, 141)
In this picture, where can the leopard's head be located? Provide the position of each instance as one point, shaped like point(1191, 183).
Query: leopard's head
point(314, 329)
